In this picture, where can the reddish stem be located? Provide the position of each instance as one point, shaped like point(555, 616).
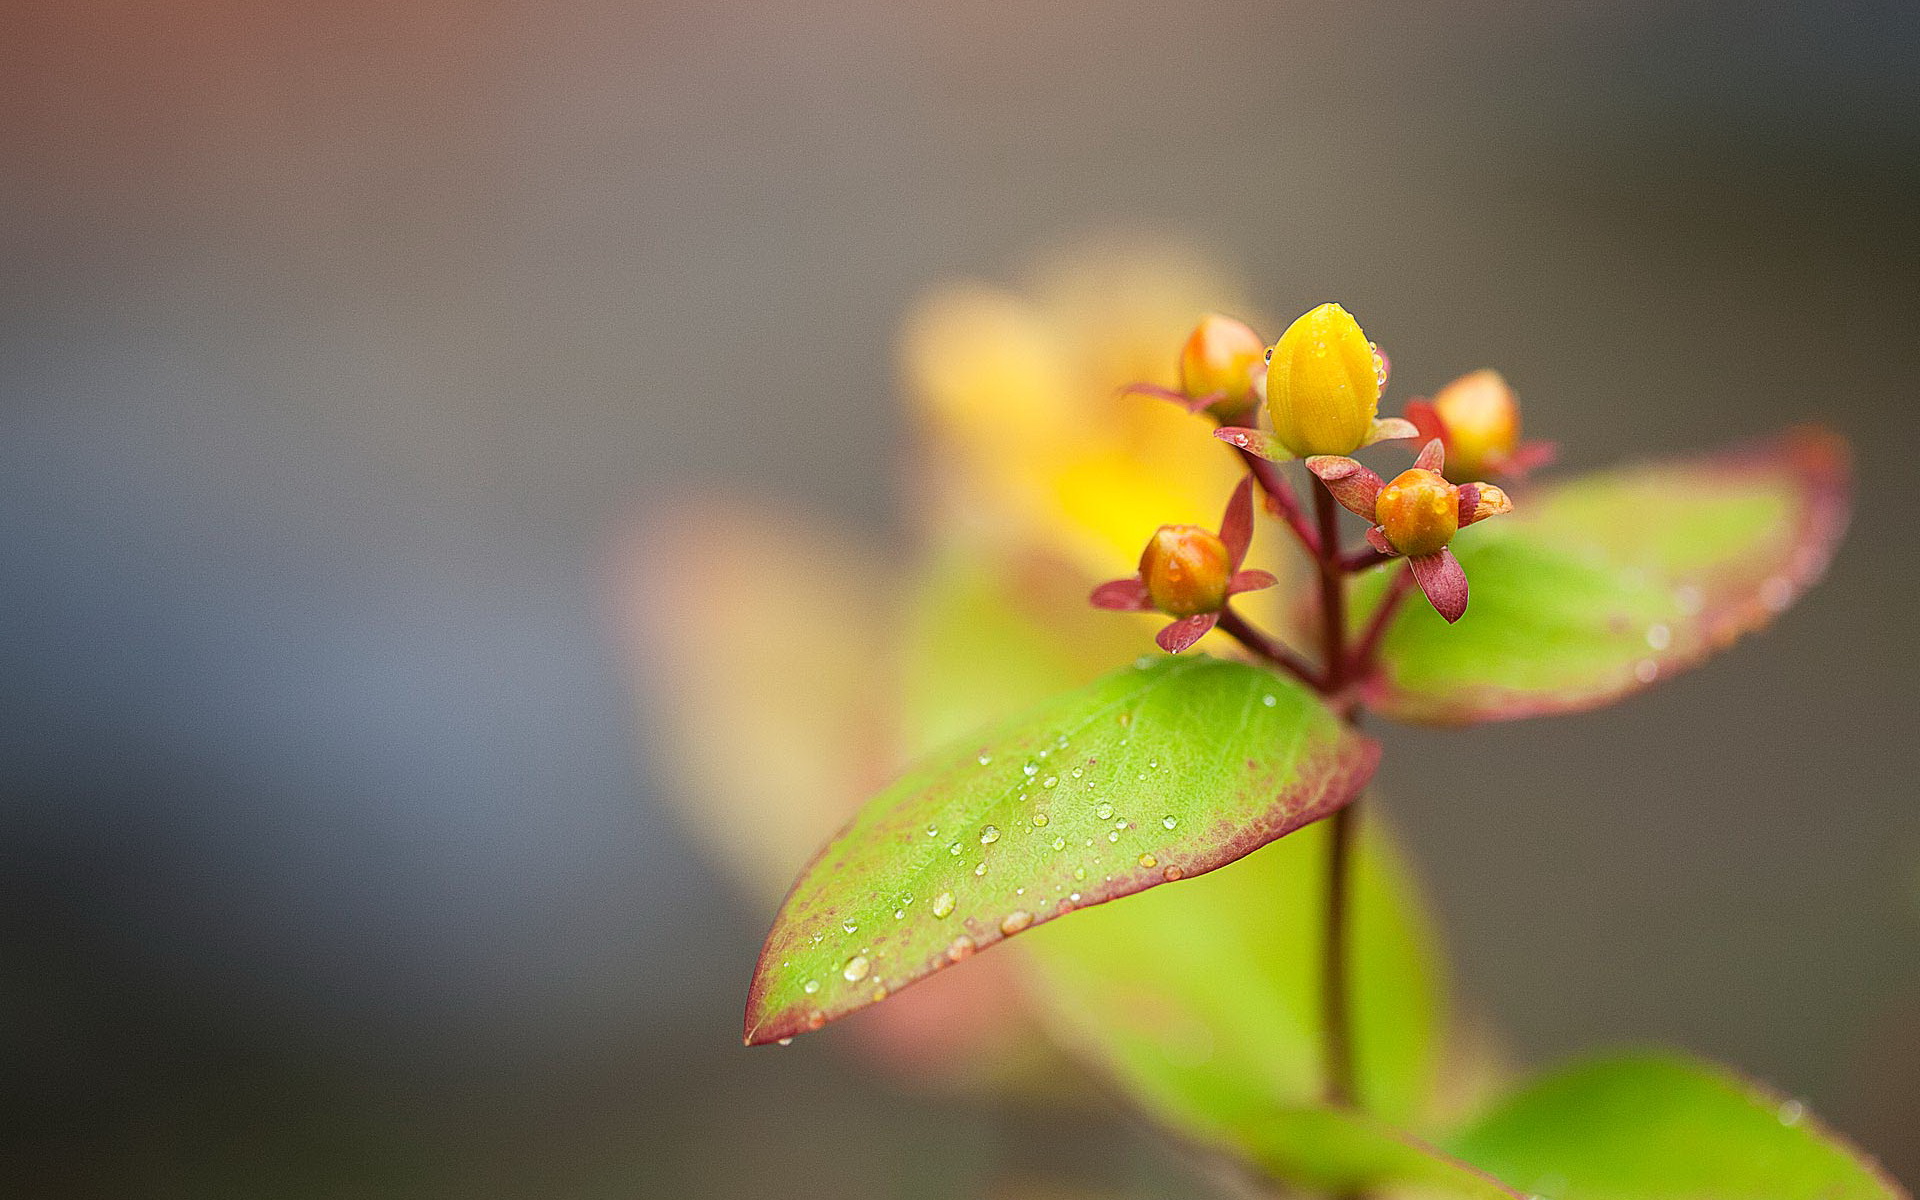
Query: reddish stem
point(1362, 559)
point(1268, 647)
point(1336, 1009)
point(1278, 490)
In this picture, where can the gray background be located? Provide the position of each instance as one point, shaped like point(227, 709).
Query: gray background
point(339, 343)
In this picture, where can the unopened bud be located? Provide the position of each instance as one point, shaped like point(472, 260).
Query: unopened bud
point(1482, 421)
point(1419, 512)
point(1322, 387)
point(1186, 570)
point(1222, 356)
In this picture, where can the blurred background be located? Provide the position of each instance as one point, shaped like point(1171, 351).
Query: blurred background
point(342, 345)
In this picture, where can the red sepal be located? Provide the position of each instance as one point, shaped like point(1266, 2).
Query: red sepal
point(1426, 420)
point(1433, 456)
point(1236, 523)
point(1251, 580)
point(1185, 632)
point(1123, 595)
point(1442, 578)
point(1353, 485)
point(1377, 538)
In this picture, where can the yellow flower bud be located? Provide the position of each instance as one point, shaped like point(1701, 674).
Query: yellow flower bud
point(1222, 355)
point(1419, 511)
point(1322, 393)
point(1186, 570)
point(1482, 422)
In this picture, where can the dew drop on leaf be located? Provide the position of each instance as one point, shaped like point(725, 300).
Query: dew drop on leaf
point(1015, 921)
point(989, 835)
point(811, 986)
point(1040, 819)
point(1169, 822)
point(1104, 812)
point(1269, 699)
point(856, 968)
point(1148, 860)
point(943, 904)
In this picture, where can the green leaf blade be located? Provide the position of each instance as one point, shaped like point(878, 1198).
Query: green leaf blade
point(1153, 773)
point(1202, 1002)
point(1345, 1153)
point(1663, 1127)
point(1600, 586)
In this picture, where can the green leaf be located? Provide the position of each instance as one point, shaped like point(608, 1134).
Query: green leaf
point(1344, 1153)
point(1599, 586)
point(1203, 1001)
point(1661, 1127)
point(1172, 767)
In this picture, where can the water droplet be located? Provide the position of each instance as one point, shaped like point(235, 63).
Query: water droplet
point(879, 994)
point(984, 759)
point(1269, 699)
point(816, 1019)
point(1153, 764)
point(1114, 836)
point(1075, 897)
point(898, 913)
point(980, 868)
point(1049, 781)
point(1148, 860)
point(959, 948)
point(1040, 819)
point(1104, 812)
point(943, 904)
point(933, 831)
point(1030, 770)
point(989, 835)
point(850, 927)
point(1079, 872)
point(1791, 1112)
point(1077, 772)
point(811, 986)
point(1169, 822)
point(1659, 637)
point(785, 1041)
point(1015, 921)
point(1171, 874)
point(1689, 599)
point(953, 848)
point(1646, 670)
point(856, 969)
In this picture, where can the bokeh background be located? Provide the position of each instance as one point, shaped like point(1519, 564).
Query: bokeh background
point(341, 344)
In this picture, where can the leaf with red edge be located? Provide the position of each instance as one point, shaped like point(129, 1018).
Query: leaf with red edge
point(1594, 588)
point(1169, 768)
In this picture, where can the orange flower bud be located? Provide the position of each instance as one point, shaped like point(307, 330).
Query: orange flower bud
point(1222, 356)
point(1482, 421)
point(1419, 512)
point(1186, 570)
point(1322, 390)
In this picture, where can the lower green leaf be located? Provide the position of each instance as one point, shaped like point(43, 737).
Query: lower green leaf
point(1662, 1127)
point(1346, 1154)
point(1167, 769)
point(1203, 1001)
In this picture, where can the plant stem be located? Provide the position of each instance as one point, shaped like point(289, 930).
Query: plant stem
point(1278, 490)
point(1270, 648)
point(1335, 992)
